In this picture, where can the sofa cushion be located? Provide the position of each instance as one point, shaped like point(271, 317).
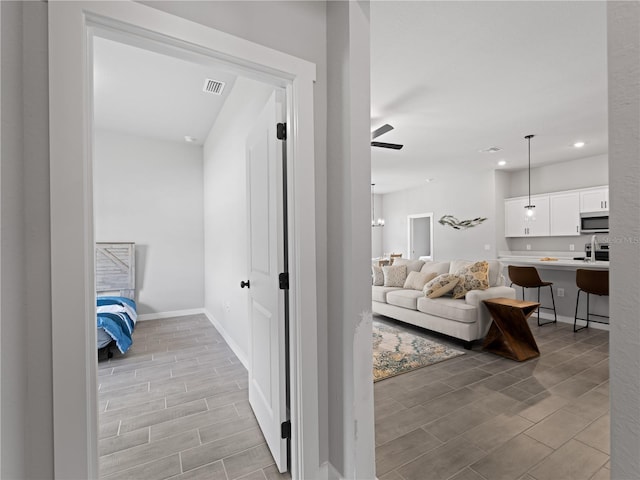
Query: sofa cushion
point(404, 298)
point(450, 308)
point(379, 294)
point(412, 265)
point(496, 278)
point(417, 280)
point(394, 275)
point(440, 285)
point(435, 267)
point(472, 277)
point(377, 276)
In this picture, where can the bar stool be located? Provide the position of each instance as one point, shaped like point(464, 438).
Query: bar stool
point(592, 282)
point(527, 277)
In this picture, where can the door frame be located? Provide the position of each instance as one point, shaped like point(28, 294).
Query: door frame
point(75, 400)
point(410, 219)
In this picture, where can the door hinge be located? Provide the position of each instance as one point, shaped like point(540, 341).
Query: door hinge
point(281, 131)
point(284, 280)
point(285, 429)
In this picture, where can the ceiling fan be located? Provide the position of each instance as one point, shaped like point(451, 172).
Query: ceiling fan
point(381, 131)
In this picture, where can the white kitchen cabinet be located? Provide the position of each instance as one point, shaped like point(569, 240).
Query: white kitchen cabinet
point(516, 223)
point(594, 199)
point(564, 214)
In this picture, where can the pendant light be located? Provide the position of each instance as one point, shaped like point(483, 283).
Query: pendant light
point(530, 208)
point(380, 221)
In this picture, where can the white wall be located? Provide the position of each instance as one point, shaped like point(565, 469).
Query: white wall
point(581, 173)
point(225, 212)
point(14, 348)
point(26, 386)
point(376, 233)
point(465, 197)
point(350, 387)
point(623, 26)
point(150, 192)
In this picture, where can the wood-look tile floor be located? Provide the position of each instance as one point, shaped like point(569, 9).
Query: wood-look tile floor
point(176, 406)
point(483, 417)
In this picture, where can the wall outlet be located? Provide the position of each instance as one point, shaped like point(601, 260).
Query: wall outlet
point(572, 247)
point(487, 246)
point(561, 292)
point(227, 307)
point(528, 247)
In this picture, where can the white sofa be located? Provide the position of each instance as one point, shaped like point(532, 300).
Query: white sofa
point(466, 318)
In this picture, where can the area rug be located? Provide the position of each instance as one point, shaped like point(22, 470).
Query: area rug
point(397, 351)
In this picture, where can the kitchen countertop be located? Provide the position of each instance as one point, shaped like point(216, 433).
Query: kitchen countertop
point(560, 264)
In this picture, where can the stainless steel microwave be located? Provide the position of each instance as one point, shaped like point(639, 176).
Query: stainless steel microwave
point(594, 222)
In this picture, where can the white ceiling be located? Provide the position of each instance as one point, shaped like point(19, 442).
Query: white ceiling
point(153, 95)
point(457, 77)
point(451, 77)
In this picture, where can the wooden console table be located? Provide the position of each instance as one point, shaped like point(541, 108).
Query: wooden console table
point(509, 334)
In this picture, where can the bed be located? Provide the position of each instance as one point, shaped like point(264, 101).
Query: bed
point(115, 296)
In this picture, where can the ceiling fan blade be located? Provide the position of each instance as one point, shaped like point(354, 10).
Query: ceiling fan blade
point(394, 146)
point(381, 130)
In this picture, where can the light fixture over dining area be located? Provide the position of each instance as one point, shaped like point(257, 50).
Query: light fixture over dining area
point(530, 208)
point(379, 222)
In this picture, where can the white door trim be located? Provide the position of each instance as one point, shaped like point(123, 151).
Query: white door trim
point(75, 403)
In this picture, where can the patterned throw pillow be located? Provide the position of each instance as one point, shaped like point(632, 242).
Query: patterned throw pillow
point(417, 280)
point(440, 285)
point(376, 274)
point(472, 277)
point(394, 275)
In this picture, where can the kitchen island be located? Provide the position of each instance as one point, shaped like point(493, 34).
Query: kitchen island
point(562, 272)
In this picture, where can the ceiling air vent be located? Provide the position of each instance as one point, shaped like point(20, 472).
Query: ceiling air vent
point(213, 86)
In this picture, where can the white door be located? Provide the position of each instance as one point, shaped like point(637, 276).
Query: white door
point(267, 359)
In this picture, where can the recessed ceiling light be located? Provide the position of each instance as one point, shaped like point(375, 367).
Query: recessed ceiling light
point(502, 163)
point(189, 139)
point(429, 180)
point(578, 144)
point(490, 150)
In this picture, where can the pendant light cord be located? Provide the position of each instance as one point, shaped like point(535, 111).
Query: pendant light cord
point(529, 138)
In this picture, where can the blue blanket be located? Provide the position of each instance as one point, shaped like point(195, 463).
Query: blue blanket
point(117, 324)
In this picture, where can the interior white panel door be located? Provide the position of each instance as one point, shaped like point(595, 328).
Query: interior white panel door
point(267, 360)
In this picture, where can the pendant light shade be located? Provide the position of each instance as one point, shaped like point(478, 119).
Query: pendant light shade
point(530, 208)
point(375, 222)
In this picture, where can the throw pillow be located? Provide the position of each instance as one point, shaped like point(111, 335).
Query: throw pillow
point(378, 277)
point(440, 285)
point(472, 277)
point(436, 267)
point(412, 265)
point(417, 280)
point(394, 275)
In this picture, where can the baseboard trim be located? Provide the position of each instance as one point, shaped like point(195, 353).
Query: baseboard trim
point(563, 319)
point(176, 313)
point(227, 338)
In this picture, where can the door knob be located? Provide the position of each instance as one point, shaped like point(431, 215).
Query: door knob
point(244, 284)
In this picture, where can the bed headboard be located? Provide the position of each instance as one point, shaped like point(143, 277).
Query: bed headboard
point(116, 269)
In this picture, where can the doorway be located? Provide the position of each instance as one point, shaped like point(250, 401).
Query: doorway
point(75, 405)
point(420, 236)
